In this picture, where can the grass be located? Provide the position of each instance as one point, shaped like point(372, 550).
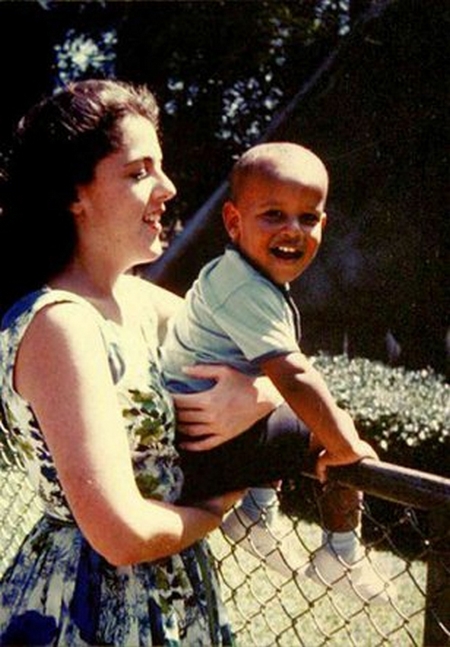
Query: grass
point(264, 608)
point(267, 610)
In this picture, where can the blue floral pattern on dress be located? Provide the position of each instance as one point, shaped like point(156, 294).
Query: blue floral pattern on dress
point(59, 590)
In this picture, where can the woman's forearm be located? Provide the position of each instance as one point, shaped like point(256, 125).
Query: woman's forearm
point(236, 401)
point(143, 530)
point(154, 531)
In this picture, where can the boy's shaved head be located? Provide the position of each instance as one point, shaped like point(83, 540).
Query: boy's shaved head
point(276, 213)
point(278, 160)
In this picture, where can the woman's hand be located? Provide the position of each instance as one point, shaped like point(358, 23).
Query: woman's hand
point(210, 418)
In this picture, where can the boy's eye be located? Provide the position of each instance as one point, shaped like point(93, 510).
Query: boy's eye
point(273, 215)
point(309, 219)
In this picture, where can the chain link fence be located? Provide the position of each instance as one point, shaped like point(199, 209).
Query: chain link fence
point(406, 528)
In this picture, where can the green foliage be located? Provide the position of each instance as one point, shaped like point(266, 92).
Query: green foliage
point(404, 414)
point(221, 71)
point(81, 55)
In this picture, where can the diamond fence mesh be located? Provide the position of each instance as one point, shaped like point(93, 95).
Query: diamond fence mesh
point(269, 609)
point(405, 538)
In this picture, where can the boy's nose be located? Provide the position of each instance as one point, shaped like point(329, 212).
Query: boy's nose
point(294, 225)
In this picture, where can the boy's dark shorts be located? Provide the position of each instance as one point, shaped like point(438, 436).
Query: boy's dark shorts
point(276, 447)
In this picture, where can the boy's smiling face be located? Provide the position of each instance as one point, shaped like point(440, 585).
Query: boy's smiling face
point(278, 218)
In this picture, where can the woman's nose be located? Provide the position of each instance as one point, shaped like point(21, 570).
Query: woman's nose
point(165, 188)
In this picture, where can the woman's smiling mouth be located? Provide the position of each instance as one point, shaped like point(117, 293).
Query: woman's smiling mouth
point(154, 220)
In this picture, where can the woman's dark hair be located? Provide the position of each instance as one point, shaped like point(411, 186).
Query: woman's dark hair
point(56, 147)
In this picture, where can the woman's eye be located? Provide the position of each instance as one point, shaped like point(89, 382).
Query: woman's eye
point(140, 174)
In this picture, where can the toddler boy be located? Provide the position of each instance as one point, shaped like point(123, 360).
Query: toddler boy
point(239, 312)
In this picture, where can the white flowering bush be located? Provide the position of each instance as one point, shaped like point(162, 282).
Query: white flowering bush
point(404, 414)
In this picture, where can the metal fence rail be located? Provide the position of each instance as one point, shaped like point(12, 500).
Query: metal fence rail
point(407, 541)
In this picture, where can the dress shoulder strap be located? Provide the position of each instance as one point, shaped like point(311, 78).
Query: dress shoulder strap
point(26, 308)
point(17, 319)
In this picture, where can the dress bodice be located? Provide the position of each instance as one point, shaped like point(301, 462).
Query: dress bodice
point(145, 405)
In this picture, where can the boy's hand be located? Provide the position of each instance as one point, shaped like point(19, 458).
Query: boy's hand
point(360, 449)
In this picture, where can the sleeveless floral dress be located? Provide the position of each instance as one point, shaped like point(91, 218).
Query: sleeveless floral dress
point(59, 590)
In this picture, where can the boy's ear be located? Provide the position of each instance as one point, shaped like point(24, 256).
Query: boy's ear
point(231, 219)
point(324, 220)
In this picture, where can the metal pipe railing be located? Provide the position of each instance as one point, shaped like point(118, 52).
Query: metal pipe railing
point(394, 483)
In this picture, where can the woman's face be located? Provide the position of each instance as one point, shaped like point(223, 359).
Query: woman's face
point(119, 212)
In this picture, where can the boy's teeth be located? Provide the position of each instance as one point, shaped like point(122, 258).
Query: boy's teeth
point(287, 250)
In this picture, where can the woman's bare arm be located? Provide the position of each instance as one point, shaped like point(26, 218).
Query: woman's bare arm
point(62, 371)
point(165, 303)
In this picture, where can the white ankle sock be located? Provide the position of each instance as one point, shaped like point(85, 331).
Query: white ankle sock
point(260, 503)
point(345, 544)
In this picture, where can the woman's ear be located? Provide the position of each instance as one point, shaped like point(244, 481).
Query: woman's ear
point(76, 208)
point(77, 205)
point(231, 220)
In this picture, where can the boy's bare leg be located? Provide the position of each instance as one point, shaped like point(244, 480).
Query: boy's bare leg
point(340, 507)
point(342, 562)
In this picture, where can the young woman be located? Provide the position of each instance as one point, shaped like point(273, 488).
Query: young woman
point(113, 560)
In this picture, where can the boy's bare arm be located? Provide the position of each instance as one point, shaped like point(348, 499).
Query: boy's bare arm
point(306, 392)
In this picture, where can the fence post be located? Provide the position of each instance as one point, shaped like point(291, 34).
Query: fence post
point(437, 610)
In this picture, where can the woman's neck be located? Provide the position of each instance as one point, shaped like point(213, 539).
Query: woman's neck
point(100, 288)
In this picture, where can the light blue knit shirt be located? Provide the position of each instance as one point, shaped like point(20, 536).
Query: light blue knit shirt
point(232, 315)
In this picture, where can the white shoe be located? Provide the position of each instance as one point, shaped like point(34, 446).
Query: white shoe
point(270, 543)
point(358, 580)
